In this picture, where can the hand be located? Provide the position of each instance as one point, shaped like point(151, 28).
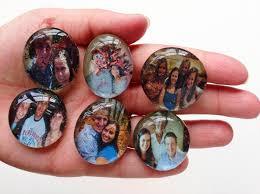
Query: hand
point(83, 25)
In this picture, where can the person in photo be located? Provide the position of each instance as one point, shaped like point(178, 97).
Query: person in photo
point(89, 137)
point(108, 150)
point(34, 127)
point(172, 157)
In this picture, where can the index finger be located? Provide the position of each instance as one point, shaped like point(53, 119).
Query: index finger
point(82, 24)
point(221, 69)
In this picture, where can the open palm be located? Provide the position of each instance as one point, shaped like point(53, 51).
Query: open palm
point(62, 159)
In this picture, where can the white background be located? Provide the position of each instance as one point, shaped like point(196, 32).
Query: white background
point(231, 27)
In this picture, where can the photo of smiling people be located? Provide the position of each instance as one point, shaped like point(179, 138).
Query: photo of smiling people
point(161, 140)
point(37, 118)
point(108, 66)
point(102, 132)
point(173, 78)
point(51, 58)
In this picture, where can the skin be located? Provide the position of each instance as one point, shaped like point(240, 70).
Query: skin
point(171, 146)
point(159, 131)
point(40, 109)
point(43, 55)
point(152, 86)
point(107, 136)
point(115, 71)
point(144, 143)
point(191, 79)
point(174, 77)
point(21, 111)
point(171, 88)
point(100, 121)
point(185, 68)
point(108, 133)
point(62, 72)
point(220, 99)
point(100, 59)
point(56, 121)
point(150, 75)
point(162, 69)
point(54, 134)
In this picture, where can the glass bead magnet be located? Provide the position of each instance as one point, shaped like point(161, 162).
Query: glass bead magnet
point(102, 132)
point(51, 58)
point(161, 140)
point(37, 118)
point(173, 78)
point(108, 66)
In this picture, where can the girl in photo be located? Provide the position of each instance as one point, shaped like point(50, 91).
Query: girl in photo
point(151, 86)
point(62, 71)
point(20, 116)
point(119, 79)
point(188, 94)
point(108, 150)
point(168, 95)
point(183, 73)
point(55, 125)
point(144, 148)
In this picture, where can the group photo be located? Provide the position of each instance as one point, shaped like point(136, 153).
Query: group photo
point(102, 132)
point(108, 66)
point(173, 78)
point(51, 58)
point(162, 140)
point(37, 118)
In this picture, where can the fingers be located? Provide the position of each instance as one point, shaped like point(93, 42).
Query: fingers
point(131, 166)
point(82, 25)
point(221, 69)
point(204, 133)
point(218, 100)
point(62, 158)
point(207, 133)
point(226, 101)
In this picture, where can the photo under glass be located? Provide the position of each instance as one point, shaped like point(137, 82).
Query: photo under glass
point(161, 140)
point(102, 132)
point(51, 58)
point(173, 78)
point(108, 66)
point(37, 118)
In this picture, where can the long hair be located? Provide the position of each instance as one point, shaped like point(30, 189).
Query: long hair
point(183, 63)
point(160, 62)
point(12, 114)
point(149, 158)
point(114, 141)
point(62, 112)
point(168, 81)
point(120, 69)
point(48, 122)
point(184, 89)
point(64, 56)
point(37, 43)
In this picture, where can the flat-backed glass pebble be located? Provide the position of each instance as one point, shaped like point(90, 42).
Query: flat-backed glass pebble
point(108, 66)
point(161, 140)
point(102, 132)
point(173, 78)
point(51, 58)
point(37, 118)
